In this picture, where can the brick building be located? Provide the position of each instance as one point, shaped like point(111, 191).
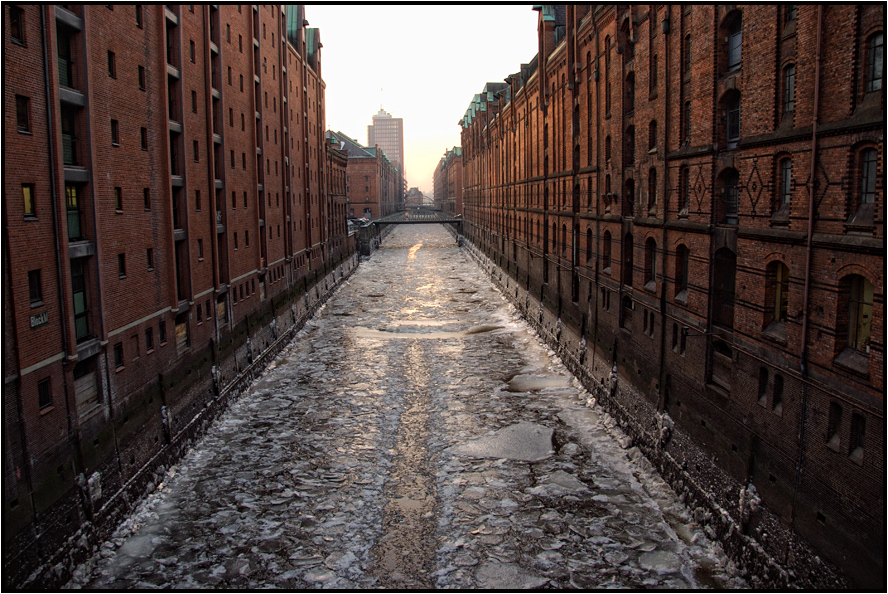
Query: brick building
point(448, 180)
point(375, 186)
point(696, 194)
point(165, 183)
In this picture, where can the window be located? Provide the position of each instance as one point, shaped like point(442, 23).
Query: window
point(242, 83)
point(687, 123)
point(763, 386)
point(118, 355)
point(162, 332)
point(23, 113)
point(607, 148)
point(785, 198)
point(652, 78)
point(863, 206)
point(628, 259)
point(834, 424)
point(200, 255)
point(732, 120)
point(112, 65)
point(17, 25)
point(684, 196)
point(682, 266)
point(730, 206)
point(650, 264)
point(724, 280)
point(777, 293)
point(28, 200)
point(652, 191)
point(791, 12)
point(139, 16)
point(121, 265)
point(78, 288)
point(789, 88)
point(247, 238)
point(35, 288)
point(232, 159)
point(194, 101)
point(199, 313)
point(588, 246)
point(233, 200)
point(855, 445)
point(149, 340)
point(858, 295)
point(606, 252)
point(197, 200)
point(687, 56)
point(196, 146)
point(44, 393)
point(146, 198)
point(777, 399)
point(235, 240)
point(142, 78)
point(229, 76)
point(735, 43)
point(118, 199)
point(143, 135)
point(191, 51)
point(875, 61)
point(115, 133)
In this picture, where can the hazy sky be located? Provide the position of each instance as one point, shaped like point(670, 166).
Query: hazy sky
point(421, 63)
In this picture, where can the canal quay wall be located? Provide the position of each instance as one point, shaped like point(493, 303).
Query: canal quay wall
point(160, 425)
point(780, 559)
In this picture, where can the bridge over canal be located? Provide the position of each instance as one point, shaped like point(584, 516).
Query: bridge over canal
point(413, 216)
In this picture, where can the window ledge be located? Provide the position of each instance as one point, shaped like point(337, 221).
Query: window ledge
point(119, 369)
point(853, 360)
point(682, 298)
point(31, 218)
point(834, 443)
point(37, 304)
point(46, 410)
point(775, 331)
point(651, 286)
point(857, 456)
point(25, 132)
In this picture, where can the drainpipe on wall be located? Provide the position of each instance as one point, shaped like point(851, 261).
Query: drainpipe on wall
point(805, 312)
point(665, 182)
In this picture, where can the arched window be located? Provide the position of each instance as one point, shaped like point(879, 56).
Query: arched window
point(650, 264)
point(589, 246)
point(554, 237)
point(652, 135)
point(875, 61)
point(686, 61)
point(606, 252)
point(607, 149)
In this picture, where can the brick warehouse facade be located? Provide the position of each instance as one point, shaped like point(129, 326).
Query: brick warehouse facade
point(375, 186)
point(171, 210)
point(448, 182)
point(688, 200)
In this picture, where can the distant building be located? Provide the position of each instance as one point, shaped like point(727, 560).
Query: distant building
point(414, 198)
point(448, 180)
point(375, 186)
point(388, 133)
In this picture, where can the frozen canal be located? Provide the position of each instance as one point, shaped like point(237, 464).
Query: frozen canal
point(416, 434)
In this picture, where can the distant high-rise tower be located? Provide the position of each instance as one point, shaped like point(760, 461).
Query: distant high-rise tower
point(388, 133)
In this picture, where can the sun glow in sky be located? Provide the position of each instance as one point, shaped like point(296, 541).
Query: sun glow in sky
point(422, 63)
